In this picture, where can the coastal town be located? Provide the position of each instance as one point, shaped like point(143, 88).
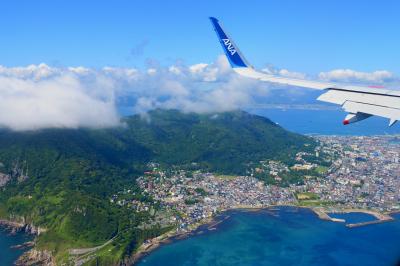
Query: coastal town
point(363, 175)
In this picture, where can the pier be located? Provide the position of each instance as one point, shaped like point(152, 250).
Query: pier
point(324, 216)
point(380, 217)
point(368, 223)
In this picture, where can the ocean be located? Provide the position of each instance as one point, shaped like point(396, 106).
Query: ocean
point(283, 236)
point(8, 255)
point(326, 122)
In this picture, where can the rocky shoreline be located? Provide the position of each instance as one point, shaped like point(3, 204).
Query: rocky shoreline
point(31, 256)
point(27, 244)
point(36, 257)
point(16, 227)
point(11, 226)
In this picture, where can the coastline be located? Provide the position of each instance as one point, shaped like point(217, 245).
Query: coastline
point(12, 226)
point(166, 238)
point(31, 255)
point(13, 245)
point(393, 212)
point(213, 221)
point(210, 223)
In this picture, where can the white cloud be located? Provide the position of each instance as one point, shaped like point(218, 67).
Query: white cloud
point(35, 72)
point(290, 74)
point(40, 96)
point(80, 70)
point(57, 102)
point(284, 73)
point(175, 70)
point(197, 68)
point(348, 75)
point(151, 71)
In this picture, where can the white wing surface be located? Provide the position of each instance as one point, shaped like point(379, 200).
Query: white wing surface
point(360, 102)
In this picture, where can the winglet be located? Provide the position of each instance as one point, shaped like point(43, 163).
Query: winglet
point(232, 52)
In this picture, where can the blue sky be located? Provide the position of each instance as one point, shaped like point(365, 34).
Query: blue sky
point(304, 36)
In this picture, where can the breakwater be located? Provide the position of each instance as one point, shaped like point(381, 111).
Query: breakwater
point(323, 214)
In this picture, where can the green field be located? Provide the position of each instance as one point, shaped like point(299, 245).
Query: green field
point(227, 177)
point(307, 196)
point(321, 170)
point(315, 203)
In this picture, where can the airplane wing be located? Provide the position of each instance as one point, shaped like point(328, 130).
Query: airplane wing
point(360, 102)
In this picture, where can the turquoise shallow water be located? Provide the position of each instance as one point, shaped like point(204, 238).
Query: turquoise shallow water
point(286, 236)
point(8, 255)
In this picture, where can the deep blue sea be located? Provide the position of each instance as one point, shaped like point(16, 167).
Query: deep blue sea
point(8, 255)
point(326, 122)
point(284, 236)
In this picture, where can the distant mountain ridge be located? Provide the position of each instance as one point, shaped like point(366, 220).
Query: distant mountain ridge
point(62, 179)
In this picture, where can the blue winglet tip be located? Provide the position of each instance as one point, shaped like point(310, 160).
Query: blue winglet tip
point(213, 19)
point(231, 52)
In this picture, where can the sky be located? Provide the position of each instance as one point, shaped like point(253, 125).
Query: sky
point(306, 36)
point(79, 63)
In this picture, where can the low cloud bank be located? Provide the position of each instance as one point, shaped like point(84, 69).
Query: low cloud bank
point(40, 96)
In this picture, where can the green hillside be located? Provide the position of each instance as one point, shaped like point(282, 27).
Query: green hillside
point(224, 142)
point(62, 179)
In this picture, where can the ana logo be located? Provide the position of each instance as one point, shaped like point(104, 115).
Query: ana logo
point(229, 46)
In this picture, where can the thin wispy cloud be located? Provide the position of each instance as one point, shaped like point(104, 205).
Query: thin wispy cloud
point(138, 49)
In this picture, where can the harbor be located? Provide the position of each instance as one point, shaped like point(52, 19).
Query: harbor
point(326, 214)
